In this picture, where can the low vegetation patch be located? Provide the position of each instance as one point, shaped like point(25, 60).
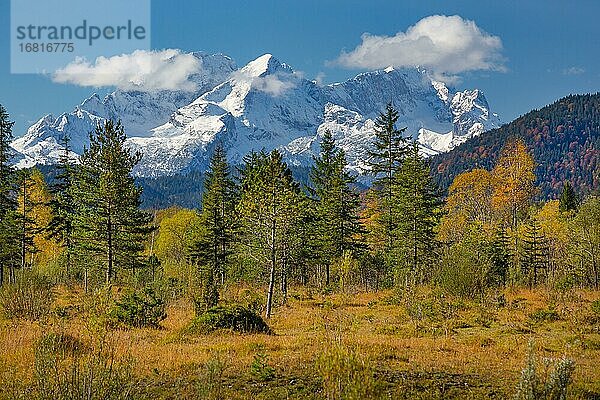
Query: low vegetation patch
point(548, 381)
point(30, 297)
point(235, 318)
point(544, 315)
point(62, 373)
point(139, 309)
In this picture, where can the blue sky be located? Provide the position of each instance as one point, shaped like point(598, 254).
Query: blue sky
point(550, 48)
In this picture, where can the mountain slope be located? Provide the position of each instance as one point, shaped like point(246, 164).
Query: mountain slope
point(266, 104)
point(138, 111)
point(563, 137)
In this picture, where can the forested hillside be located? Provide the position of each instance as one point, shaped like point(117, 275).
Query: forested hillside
point(563, 137)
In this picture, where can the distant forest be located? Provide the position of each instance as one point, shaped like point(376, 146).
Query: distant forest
point(564, 140)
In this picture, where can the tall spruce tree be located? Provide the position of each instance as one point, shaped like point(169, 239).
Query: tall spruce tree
point(338, 226)
point(385, 159)
point(568, 198)
point(270, 208)
point(111, 228)
point(8, 222)
point(417, 207)
point(212, 249)
point(63, 206)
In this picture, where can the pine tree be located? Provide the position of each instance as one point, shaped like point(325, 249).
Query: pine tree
point(418, 209)
point(8, 205)
point(212, 249)
point(568, 198)
point(501, 256)
point(110, 226)
point(270, 208)
point(535, 252)
point(63, 206)
point(385, 159)
point(338, 226)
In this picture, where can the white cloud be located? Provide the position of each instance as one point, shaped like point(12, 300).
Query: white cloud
point(447, 45)
point(141, 70)
point(274, 84)
point(320, 78)
point(573, 71)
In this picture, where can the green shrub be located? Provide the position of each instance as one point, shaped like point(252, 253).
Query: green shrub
point(544, 315)
point(30, 297)
point(210, 385)
point(464, 270)
point(596, 307)
point(254, 300)
point(260, 368)
point(236, 318)
point(139, 309)
point(169, 288)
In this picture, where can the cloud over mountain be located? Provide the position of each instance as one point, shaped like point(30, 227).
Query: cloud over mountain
point(447, 45)
point(141, 70)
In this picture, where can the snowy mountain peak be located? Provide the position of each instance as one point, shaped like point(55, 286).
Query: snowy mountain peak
point(441, 89)
point(265, 65)
point(265, 105)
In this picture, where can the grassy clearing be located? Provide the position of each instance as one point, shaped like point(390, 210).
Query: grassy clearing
point(364, 345)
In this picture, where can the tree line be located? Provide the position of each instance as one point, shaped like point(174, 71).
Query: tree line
point(260, 227)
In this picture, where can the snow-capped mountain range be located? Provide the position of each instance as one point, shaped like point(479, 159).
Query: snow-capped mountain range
point(264, 104)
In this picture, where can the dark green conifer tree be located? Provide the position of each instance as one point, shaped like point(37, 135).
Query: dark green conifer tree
point(9, 248)
point(338, 226)
point(110, 227)
point(501, 258)
point(26, 227)
point(385, 159)
point(63, 206)
point(568, 198)
point(535, 253)
point(417, 207)
point(214, 245)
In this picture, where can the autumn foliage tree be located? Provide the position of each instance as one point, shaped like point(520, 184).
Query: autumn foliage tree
point(35, 214)
point(514, 182)
point(469, 201)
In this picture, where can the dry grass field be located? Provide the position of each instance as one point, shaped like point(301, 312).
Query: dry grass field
point(421, 345)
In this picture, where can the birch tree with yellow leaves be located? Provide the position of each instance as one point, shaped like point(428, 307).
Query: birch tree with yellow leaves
point(514, 182)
